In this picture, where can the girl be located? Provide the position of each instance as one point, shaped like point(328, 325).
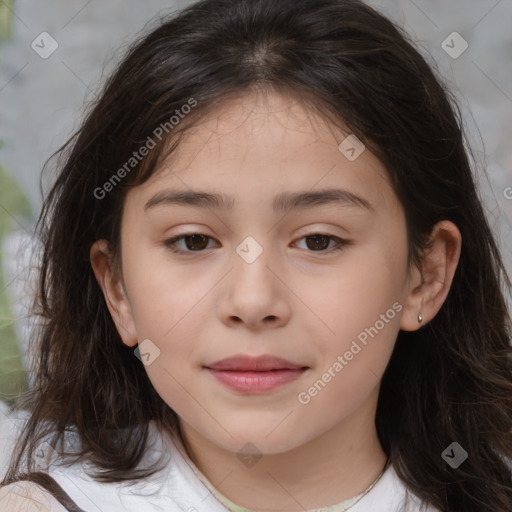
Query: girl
point(268, 282)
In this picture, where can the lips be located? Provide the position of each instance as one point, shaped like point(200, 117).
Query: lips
point(253, 364)
point(255, 375)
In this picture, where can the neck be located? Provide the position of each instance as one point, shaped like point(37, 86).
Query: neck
point(329, 469)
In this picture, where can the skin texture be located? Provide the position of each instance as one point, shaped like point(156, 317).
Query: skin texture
point(28, 497)
point(294, 301)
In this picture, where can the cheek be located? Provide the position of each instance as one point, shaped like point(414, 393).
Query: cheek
point(364, 314)
point(362, 306)
point(364, 286)
point(162, 294)
point(167, 302)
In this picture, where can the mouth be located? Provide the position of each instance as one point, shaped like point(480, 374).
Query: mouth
point(255, 375)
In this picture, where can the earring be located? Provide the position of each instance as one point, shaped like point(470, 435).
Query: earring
point(420, 318)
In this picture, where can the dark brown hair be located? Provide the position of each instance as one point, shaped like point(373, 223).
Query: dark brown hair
point(450, 381)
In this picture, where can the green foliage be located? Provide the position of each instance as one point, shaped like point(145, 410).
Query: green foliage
point(6, 9)
point(13, 205)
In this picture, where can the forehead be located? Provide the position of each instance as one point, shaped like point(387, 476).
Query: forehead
point(265, 143)
point(279, 124)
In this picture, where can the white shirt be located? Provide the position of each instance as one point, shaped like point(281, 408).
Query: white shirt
point(176, 488)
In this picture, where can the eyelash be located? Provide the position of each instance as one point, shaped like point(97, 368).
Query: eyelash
point(170, 244)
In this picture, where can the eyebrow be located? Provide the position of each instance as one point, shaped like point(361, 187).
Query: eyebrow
point(282, 202)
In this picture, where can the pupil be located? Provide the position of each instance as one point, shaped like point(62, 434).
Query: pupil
point(196, 239)
point(317, 238)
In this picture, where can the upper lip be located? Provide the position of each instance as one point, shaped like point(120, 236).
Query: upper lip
point(255, 364)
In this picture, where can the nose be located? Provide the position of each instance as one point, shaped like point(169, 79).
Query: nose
point(254, 294)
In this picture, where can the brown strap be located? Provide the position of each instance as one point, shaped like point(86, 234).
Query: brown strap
point(47, 482)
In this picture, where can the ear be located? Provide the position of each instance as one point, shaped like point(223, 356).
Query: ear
point(113, 291)
point(430, 284)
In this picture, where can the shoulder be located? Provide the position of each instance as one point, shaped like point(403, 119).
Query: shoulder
point(28, 497)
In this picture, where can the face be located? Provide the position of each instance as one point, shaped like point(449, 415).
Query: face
point(318, 282)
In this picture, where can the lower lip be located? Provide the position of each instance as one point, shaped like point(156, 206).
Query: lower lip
point(256, 382)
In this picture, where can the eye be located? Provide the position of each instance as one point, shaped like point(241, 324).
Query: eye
point(319, 242)
point(197, 242)
point(194, 242)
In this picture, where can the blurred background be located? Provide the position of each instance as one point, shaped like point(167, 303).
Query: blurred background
point(55, 54)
